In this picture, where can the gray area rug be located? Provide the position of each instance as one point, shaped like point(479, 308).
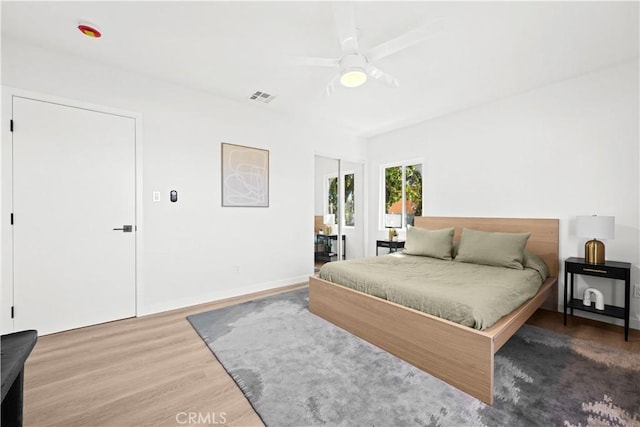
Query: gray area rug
point(297, 369)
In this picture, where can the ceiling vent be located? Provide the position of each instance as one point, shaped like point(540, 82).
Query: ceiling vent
point(263, 97)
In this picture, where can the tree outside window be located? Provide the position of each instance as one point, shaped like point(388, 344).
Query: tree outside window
point(349, 198)
point(333, 196)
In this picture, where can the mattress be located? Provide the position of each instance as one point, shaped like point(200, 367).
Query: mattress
point(472, 295)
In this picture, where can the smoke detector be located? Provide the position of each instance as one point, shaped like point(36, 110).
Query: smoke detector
point(89, 30)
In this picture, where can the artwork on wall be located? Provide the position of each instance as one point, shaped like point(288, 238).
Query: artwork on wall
point(245, 176)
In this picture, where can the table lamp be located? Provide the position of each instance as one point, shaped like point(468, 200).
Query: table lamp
point(595, 227)
point(329, 221)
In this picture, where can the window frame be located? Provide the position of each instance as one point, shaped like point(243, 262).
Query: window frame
point(382, 191)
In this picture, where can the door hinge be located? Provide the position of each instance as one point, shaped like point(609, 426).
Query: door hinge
point(13, 312)
point(11, 218)
point(11, 125)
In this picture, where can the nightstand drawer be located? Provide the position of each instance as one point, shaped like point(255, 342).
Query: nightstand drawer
point(397, 244)
point(597, 270)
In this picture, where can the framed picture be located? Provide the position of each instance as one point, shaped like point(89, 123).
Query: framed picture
point(245, 176)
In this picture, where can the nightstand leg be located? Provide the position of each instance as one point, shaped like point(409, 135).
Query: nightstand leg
point(627, 298)
point(571, 311)
point(565, 296)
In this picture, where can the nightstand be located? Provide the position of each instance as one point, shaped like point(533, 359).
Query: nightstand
point(323, 248)
point(609, 270)
point(393, 245)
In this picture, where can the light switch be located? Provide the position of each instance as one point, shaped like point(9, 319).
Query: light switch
point(156, 196)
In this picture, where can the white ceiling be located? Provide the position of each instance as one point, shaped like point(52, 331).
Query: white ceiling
point(488, 50)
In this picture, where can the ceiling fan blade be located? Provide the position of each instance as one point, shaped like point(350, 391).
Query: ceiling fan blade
point(314, 61)
point(343, 14)
point(378, 74)
point(406, 40)
point(331, 86)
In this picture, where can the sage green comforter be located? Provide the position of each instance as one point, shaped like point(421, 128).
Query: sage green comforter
point(469, 294)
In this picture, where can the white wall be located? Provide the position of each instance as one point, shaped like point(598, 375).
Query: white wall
point(192, 248)
point(563, 150)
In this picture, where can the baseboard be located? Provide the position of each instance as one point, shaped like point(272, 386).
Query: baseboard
point(221, 295)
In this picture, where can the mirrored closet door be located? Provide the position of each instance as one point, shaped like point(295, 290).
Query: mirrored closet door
point(339, 210)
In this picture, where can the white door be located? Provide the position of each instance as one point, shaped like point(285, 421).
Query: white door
point(73, 183)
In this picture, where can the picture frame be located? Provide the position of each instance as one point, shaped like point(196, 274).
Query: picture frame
point(245, 176)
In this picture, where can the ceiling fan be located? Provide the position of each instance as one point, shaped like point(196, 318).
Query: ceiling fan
point(356, 66)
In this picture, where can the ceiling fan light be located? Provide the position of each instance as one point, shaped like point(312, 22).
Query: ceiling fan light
point(353, 78)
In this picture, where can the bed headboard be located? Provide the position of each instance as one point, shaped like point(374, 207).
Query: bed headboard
point(544, 232)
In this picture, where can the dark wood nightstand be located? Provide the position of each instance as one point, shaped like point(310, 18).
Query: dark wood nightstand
point(610, 270)
point(393, 245)
point(323, 248)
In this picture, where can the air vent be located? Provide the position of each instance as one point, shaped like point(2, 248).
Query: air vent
point(263, 97)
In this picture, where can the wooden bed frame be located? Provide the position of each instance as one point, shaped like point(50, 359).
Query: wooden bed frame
point(458, 355)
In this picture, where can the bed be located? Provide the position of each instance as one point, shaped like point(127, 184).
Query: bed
point(457, 354)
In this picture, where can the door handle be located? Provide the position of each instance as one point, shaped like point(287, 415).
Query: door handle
point(125, 228)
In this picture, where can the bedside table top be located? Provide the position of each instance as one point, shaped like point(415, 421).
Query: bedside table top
point(614, 264)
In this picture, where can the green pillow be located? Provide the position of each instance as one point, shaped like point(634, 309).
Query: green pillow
point(534, 261)
point(431, 243)
point(497, 249)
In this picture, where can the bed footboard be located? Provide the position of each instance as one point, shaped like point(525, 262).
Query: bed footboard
point(458, 355)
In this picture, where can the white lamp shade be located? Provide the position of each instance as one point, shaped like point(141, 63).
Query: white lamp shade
point(393, 220)
point(596, 227)
point(329, 219)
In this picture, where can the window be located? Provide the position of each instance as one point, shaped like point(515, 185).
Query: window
point(349, 198)
point(402, 194)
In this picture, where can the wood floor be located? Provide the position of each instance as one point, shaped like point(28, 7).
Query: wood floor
point(156, 371)
point(587, 329)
